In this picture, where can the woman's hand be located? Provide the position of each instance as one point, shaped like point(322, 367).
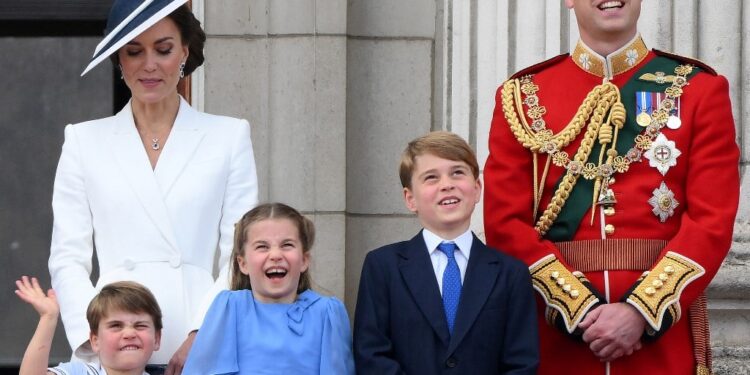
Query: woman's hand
point(30, 292)
point(180, 356)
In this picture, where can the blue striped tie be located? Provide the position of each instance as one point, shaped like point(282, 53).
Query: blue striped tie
point(451, 283)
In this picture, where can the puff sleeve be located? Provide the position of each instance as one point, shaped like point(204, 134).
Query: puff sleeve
point(215, 348)
point(336, 347)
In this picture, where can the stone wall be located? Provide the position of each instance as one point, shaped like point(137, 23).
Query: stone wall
point(281, 65)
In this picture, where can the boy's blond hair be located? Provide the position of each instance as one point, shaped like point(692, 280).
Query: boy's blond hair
point(127, 296)
point(442, 144)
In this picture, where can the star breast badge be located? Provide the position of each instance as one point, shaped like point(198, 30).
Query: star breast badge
point(663, 202)
point(662, 154)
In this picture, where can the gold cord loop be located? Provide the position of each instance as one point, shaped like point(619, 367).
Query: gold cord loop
point(602, 114)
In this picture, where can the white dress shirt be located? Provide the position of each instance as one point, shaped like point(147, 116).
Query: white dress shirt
point(440, 260)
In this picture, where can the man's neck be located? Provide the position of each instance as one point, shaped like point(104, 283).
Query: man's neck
point(606, 46)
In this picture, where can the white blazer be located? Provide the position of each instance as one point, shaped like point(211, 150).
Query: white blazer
point(159, 227)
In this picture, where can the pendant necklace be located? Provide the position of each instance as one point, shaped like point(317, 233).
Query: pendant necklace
point(155, 144)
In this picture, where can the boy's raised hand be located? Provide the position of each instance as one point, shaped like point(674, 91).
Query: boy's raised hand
point(30, 292)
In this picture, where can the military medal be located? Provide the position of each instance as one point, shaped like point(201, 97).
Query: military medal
point(643, 119)
point(663, 202)
point(643, 103)
point(674, 122)
point(663, 154)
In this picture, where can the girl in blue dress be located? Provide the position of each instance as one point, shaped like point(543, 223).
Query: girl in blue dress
point(271, 322)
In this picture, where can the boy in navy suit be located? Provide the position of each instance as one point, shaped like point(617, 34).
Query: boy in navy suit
point(443, 302)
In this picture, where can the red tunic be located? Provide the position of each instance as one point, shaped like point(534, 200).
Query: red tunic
point(705, 183)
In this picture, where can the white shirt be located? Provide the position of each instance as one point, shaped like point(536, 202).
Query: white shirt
point(79, 368)
point(440, 260)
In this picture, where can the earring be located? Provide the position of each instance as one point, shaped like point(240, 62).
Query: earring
point(182, 70)
point(122, 76)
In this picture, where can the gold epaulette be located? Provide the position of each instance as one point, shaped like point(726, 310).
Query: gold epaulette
point(562, 290)
point(659, 290)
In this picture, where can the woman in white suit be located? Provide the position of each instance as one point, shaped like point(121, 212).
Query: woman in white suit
point(155, 189)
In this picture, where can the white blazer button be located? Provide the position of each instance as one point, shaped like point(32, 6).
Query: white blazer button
point(175, 261)
point(129, 264)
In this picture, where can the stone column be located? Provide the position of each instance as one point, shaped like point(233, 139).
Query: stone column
point(389, 101)
point(281, 64)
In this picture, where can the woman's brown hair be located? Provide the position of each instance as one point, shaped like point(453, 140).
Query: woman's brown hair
point(192, 36)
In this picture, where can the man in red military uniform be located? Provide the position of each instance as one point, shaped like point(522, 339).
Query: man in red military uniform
point(613, 172)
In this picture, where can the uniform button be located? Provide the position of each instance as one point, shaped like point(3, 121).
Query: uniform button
point(609, 229)
point(609, 211)
point(451, 362)
point(129, 264)
point(175, 261)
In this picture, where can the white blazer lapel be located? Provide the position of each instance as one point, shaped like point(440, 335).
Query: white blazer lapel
point(133, 162)
point(183, 140)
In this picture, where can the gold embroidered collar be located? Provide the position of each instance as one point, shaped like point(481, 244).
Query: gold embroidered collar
point(616, 63)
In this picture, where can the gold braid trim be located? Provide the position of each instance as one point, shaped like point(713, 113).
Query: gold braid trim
point(562, 290)
point(603, 104)
point(662, 287)
point(594, 110)
point(603, 101)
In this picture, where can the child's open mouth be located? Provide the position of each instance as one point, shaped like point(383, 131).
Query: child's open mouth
point(276, 273)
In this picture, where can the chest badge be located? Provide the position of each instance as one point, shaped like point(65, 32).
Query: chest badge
point(663, 154)
point(648, 102)
point(663, 202)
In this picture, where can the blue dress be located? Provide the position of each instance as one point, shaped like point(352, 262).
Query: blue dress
point(240, 335)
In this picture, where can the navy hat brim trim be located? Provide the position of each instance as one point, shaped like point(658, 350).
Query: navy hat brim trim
point(142, 18)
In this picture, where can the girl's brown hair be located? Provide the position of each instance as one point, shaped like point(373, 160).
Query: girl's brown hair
point(266, 211)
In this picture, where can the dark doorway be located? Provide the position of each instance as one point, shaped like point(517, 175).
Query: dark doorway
point(45, 45)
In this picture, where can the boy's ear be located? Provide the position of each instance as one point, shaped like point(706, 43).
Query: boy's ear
point(478, 186)
point(157, 340)
point(94, 340)
point(409, 200)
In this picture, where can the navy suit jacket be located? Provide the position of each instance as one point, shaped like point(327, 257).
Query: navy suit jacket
point(400, 325)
